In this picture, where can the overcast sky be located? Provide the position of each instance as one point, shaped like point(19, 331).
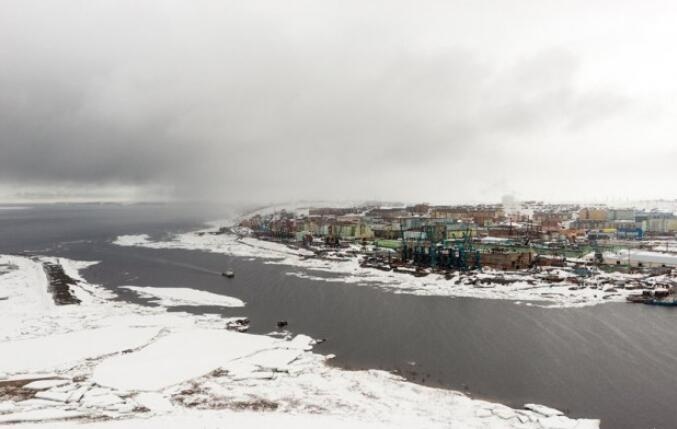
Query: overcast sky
point(276, 100)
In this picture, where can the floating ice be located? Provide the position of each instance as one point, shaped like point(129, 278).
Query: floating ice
point(174, 296)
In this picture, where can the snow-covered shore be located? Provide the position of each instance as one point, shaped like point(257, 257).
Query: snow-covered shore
point(520, 286)
point(113, 364)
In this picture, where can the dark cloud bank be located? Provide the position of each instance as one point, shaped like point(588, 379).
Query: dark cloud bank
point(264, 101)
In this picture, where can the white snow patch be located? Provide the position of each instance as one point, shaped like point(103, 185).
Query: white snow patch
point(46, 384)
point(7, 407)
point(42, 415)
point(52, 395)
point(178, 357)
point(24, 290)
point(66, 350)
point(132, 240)
point(153, 401)
point(174, 296)
point(635, 257)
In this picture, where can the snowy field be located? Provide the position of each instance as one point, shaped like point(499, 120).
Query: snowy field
point(111, 364)
point(521, 287)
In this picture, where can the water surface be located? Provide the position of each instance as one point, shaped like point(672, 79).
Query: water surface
point(615, 361)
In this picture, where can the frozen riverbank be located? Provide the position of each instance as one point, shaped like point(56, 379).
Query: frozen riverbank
point(131, 366)
point(548, 287)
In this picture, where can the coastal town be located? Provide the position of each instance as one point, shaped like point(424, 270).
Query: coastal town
point(632, 248)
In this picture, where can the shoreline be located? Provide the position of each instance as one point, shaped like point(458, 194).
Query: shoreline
point(274, 370)
point(551, 287)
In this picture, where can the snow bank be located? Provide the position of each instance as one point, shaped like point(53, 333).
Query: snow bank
point(173, 296)
point(46, 384)
point(24, 287)
point(42, 415)
point(65, 350)
point(178, 357)
point(635, 257)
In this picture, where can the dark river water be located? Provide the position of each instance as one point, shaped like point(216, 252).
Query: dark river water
point(617, 362)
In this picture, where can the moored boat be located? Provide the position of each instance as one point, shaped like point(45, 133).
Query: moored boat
point(664, 297)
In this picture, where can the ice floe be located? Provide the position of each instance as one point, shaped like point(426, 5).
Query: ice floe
point(62, 351)
point(133, 240)
point(178, 357)
point(174, 296)
point(46, 384)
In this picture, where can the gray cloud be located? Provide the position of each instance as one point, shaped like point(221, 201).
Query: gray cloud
point(252, 101)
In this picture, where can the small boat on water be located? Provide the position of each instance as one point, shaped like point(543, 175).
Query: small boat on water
point(229, 274)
